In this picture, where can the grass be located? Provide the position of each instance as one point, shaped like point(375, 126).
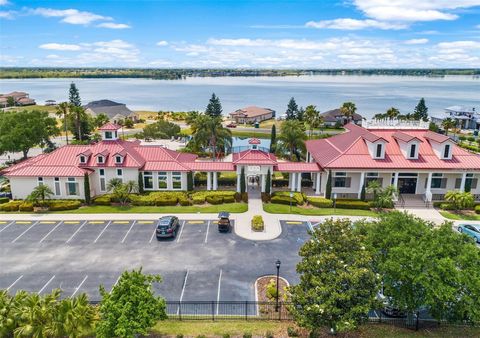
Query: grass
point(460, 216)
point(240, 133)
point(285, 209)
point(104, 209)
point(50, 109)
point(279, 329)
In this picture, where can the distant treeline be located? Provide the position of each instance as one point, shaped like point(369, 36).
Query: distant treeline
point(175, 74)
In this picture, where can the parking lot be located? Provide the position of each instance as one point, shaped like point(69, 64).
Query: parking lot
point(200, 264)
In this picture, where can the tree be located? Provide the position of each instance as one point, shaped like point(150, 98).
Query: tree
point(63, 109)
point(131, 307)
point(214, 107)
point(140, 183)
point(210, 133)
point(328, 188)
point(392, 113)
point(292, 110)
point(292, 139)
point(268, 182)
point(79, 123)
point(374, 187)
point(20, 131)
point(161, 130)
point(301, 114)
point(348, 109)
point(74, 96)
point(100, 120)
point(273, 138)
point(86, 187)
point(74, 317)
point(312, 118)
point(460, 199)
point(448, 124)
point(337, 283)
point(363, 192)
point(190, 181)
point(243, 187)
point(39, 194)
point(10, 101)
point(121, 191)
point(421, 111)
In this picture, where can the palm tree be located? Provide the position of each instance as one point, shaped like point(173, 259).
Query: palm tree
point(392, 113)
point(374, 187)
point(41, 193)
point(459, 199)
point(208, 131)
point(74, 316)
point(312, 118)
point(121, 191)
point(63, 110)
point(448, 123)
point(79, 115)
point(292, 138)
point(348, 109)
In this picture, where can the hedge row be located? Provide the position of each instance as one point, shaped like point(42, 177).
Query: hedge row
point(298, 197)
point(4, 200)
point(352, 204)
point(53, 205)
point(320, 202)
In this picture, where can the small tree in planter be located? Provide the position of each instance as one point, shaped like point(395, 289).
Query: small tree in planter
point(257, 223)
point(86, 187)
point(328, 189)
point(140, 183)
point(243, 186)
point(189, 181)
point(39, 195)
point(121, 191)
point(268, 182)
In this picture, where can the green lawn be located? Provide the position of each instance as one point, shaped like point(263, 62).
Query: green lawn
point(240, 133)
point(285, 209)
point(455, 216)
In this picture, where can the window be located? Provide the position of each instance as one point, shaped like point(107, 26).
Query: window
point(118, 159)
point(83, 159)
point(162, 180)
point(40, 180)
point(369, 177)
point(446, 151)
point(101, 172)
point(341, 180)
point(108, 135)
point(378, 153)
point(100, 159)
point(413, 151)
point(438, 182)
point(177, 180)
point(57, 186)
point(470, 182)
point(72, 187)
point(119, 172)
point(103, 185)
point(148, 180)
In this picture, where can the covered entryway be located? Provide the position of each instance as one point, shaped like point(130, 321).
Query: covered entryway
point(407, 185)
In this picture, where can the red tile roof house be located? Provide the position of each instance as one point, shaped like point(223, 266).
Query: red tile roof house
point(162, 169)
point(419, 162)
point(252, 114)
point(20, 98)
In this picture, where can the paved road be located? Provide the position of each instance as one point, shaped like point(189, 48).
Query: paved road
point(201, 264)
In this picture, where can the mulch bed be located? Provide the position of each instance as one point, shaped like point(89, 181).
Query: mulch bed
point(269, 310)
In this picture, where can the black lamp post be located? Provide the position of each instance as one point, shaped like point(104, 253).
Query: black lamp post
point(277, 263)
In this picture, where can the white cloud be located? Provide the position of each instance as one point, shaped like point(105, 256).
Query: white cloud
point(477, 26)
point(113, 25)
point(7, 14)
point(353, 24)
point(71, 16)
point(162, 43)
point(459, 45)
point(4, 2)
point(416, 41)
point(59, 46)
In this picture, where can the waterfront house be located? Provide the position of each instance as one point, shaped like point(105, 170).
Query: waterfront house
point(465, 117)
point(334, 117)
point(115, 111)
point(19, 98)
point(252, 114)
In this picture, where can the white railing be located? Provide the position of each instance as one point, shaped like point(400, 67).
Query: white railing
point(395, 124)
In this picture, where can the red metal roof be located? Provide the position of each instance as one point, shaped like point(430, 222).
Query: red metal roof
point(110, 126)
point(211, 166)
point(48, 171)
point(436, 137)
point(165, 166)
point(400, 135)
point(303, 167)
point(254, 141)
point(252, 156)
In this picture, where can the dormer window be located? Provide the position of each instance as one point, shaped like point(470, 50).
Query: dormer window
point(413, 152)
point(447, 151)
point(83, 159)
point(108, 135)
point(118, 159)
point(378, 152)
point(100, 159)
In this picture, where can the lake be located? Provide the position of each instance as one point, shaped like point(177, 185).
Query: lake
point(371, 94)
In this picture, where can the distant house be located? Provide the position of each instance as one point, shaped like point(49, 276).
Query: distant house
point(20, 99)
point(252, 114)
point(114, 110)
point(466, 118)
point(334, 116)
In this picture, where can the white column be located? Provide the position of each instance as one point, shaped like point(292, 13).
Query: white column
point(262, 178)
point(291, 183)
point(395, 184)
point(428, 192)
point(299, 182)
point(238, 181)
point(215, 184)
point(362, 182)
point(209, 181)
point(462, 184)
point(317, 183)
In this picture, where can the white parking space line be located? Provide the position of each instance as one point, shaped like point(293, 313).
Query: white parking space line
point(153, 235)
point(44, 237)
point(80, 228)
point(218, 291)
point(125, 237)
point(6, 226)
point(100, 234)
point(23, 233)
point(79, 286)
point(11, 285)
point(181, 231)
point(183, 290)
point(206, 235)
point(46, 284)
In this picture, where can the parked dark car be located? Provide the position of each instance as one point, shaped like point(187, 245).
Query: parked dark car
point(224, 222)
point(167, 226)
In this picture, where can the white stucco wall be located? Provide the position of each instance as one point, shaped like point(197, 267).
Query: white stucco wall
point(22, 187)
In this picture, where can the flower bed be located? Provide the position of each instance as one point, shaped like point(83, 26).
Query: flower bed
point(257, 223)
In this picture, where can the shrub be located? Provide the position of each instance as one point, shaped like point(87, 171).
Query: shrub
point(229, 199)
point(198, 199)
point(266, 197)
point(320, 202)
point(184, 202)
point(4, 200)
point(477, 209)
point(292, 332)
point(166, 201)
point(257, 223)
point(11, 206)
point(449, 206)
point(214, 199)
point(300, 198)
point(272, 289)
point(64, 205)
point(352, 204)
point(238, 197)
point(25, 206)
point(244, 196)
point(286, 200)
point(103, 200)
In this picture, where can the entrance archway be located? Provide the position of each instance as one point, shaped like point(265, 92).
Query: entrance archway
point(254, 181)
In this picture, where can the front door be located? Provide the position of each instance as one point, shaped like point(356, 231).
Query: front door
point(407, 185)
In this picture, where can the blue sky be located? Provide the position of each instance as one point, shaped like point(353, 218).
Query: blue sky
point(256, 34)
